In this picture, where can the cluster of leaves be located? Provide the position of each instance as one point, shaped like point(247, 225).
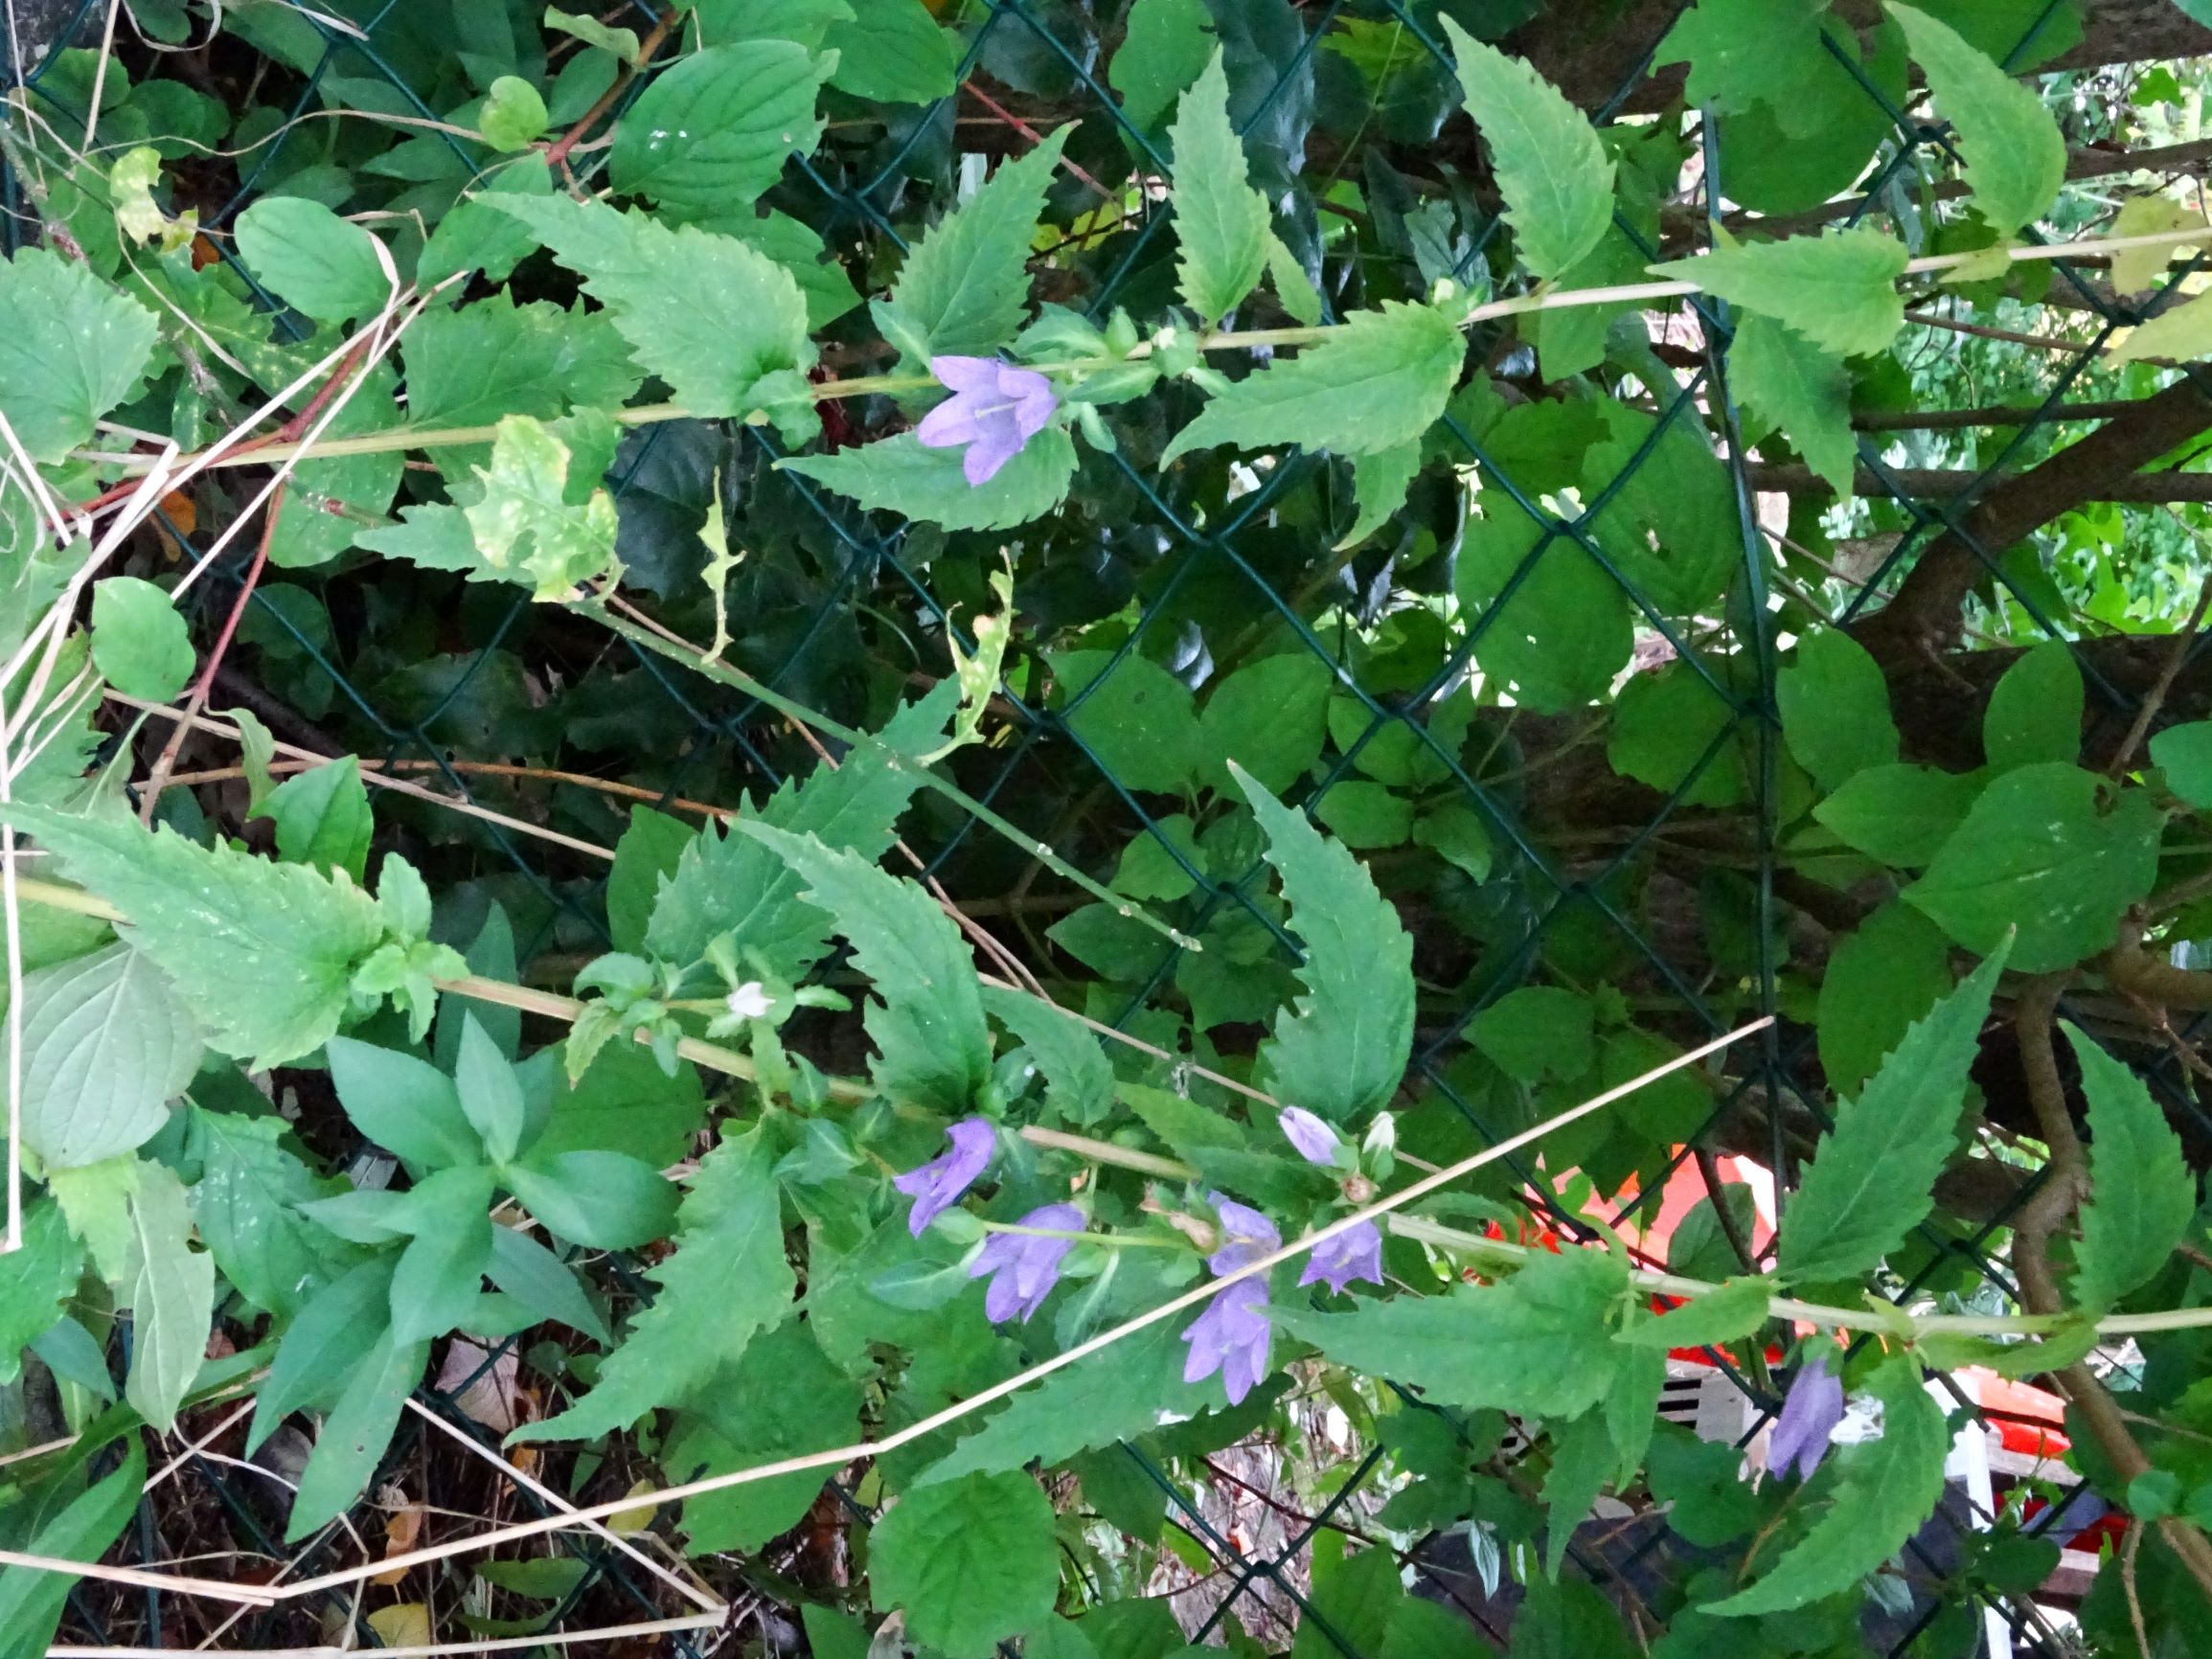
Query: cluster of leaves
point(1507, 543)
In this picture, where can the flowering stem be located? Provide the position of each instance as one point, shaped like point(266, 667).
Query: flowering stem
point(1890, 1321)
point(1111, 1241)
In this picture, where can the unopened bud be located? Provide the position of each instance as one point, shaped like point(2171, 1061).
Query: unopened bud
point(1359, 1190)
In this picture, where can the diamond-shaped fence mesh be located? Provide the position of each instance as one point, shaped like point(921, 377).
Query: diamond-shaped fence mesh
point(449, 695)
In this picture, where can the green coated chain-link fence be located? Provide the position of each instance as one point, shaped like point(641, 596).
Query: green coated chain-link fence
point(827, 586)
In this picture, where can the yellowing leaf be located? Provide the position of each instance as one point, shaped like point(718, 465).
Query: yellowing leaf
point(2135, 269)
point(402, 1624)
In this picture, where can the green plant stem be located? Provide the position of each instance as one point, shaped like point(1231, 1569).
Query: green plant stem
point(1890, 1321)
point(1541, 299)
point(653, 639)
point(1111, 1241)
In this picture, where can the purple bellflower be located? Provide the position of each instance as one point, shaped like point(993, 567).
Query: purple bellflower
point(1356, 1254)
point(1025, 1266)
point(1232, 1336)
point(1315, 1140)
point(1809, 1413)
point(994, 409)
point(937, 1185)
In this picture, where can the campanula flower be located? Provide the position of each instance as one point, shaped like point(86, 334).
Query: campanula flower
point(1356, 1254)
point(1025, 1267)
point(994, 409)
point(1809, 1413)
point(1247, 1236)
point(1231, 1337)
point(1315, 1140)
point(937, 1185)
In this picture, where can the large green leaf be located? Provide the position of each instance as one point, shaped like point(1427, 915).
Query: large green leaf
point(1379, 383)
point(244, 1201)
point(2035, 710)
point(1900, 815)
point(709, 315)
point(311, 258)
point(902, 475)
point(2142, 1195)
point(1744, 53)
point(322, 817)
point(1871, 1177)
point(965, 287)
point(139, 642)
point(1553, 170)
point(972, 1561)
point(1565, 628)
point(715, 128)
point(2050, 850)
point(1540, 1344)
point(893, 51)
point(725, 882)
point(1133, 716)
point(327, 1341)
point(1783, 380)
point(1114, 1394)
point(108, 1043)
point(71, 348)
point(1838, 290)
point(263, 953)
point(493, 358)
point(1079, 1080)
point(783, 1399)
point(41, 1277)
point(727, 1280)
point(1342, 1051)
point(1884, 1489)
point(1881, 976)
point(1835, 709)
point(2016, 157)
point(1220, 220)
point(355, 1435)
point(171, 1297)
point(932, 1046)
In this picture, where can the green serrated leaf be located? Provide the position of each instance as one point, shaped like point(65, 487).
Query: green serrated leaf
point(715, 128)
point(966, 285)
point(493, 358)
point(1378, 385)
point(1872, 1176)
point(1838, 290)
point(1785, 381)
point(1731, 1310)
point(971, 1561)
point(1885, 1489)
point(2016, 157)
point(727, 1280)
point(1342, 1050)
point(1742, 54)
point(1551, 166)
point(1220, 220)
point(1540, 1344)
point(71, 348)
point(709, 315)
point(728, 883)
point(1884, 974)
point(932, 1046)
point(263, 953)
point(2049, 850)
point(902, 475)
point(245, 1201)
point(513, 114)
point(2142, 1195)
point(1078, 1082)
point(1165, 46)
